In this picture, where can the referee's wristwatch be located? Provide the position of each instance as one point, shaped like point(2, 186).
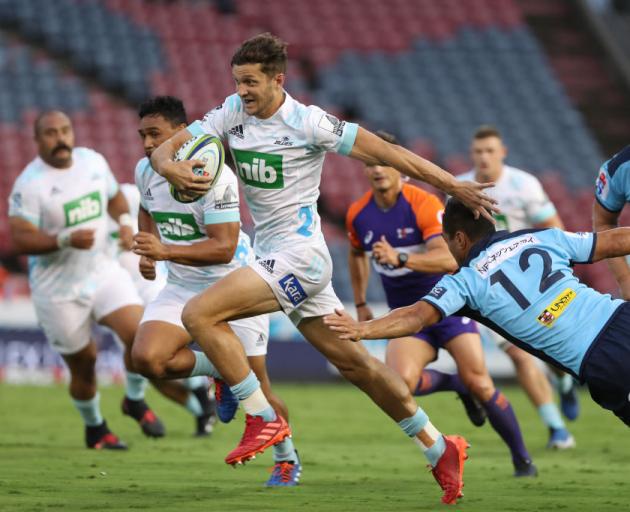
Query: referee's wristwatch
point(403, 257)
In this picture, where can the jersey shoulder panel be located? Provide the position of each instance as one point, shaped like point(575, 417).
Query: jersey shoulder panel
point(617, 161)
point(427, 208)
point(355, 208)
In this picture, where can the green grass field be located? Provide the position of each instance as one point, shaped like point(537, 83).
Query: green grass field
point(354, 459)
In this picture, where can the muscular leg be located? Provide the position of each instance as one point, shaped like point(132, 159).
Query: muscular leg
point(408, 356)
point(535, 383)
point(244, 293)
point(468, 354)
point(86, 398)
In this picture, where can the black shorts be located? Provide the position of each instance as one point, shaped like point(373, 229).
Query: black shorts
point(606, 367)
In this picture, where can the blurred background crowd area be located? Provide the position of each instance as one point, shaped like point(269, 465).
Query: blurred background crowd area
point(552, 75)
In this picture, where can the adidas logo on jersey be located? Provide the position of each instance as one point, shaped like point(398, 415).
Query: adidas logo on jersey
point(284, 141)
point(55, 190)
point(267, 265)
point(147, 195)
point(237, 131)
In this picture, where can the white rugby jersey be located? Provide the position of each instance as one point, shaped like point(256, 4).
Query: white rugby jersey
point(184, 223)
point(279, 162)
point(60, 200)
point(522, 200)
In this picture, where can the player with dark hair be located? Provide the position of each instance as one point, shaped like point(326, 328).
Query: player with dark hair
point(200, 242)
point(612, 193)
point(279, 146)
point(521, 284)
point(399, 227)
point(58, 212)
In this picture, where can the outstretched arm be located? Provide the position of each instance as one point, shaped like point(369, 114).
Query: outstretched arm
point(612, 243)
point(396, 324)
point(375, 151)
point(607, 220)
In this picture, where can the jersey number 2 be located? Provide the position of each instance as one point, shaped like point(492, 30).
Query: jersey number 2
point(307, 214)
point(547, 279)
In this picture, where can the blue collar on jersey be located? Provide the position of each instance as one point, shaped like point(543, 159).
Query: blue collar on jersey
point(497, 236)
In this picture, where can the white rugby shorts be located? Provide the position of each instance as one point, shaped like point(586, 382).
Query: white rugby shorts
point(169, 304)
point(148, 290)
point(67, 323)
point(300, 279)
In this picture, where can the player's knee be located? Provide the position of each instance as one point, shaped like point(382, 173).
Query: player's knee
point(480, 385)
point(193, 316)
point(147, 363)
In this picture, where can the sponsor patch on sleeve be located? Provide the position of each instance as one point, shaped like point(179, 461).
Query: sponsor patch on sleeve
point(437, 292)
point(331, 124)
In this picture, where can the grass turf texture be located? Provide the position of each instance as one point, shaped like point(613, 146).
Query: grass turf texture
point(355, 459)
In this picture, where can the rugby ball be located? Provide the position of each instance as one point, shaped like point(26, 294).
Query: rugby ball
point(210, 151)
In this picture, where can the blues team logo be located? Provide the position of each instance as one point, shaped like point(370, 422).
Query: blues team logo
point(292, 288)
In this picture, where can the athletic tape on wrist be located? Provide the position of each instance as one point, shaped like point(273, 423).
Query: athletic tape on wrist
point(63, 240)
point(125, 220)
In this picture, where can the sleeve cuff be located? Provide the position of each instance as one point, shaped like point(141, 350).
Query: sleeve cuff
point(431, 303)
point(592, 253)
point(221, 217)
point(544, 214)
point(349, 136)
point(607, 208)
point(195, 129)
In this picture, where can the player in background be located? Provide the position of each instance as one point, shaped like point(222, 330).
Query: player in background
point(58, 213)
point(200, 242)
point(399, 227)
point(612, 192)
point(522, 285)
point(190, 393)
point(524, 205)
point(279, 147)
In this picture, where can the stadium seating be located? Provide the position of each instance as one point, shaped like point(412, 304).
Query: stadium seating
point(418, 69)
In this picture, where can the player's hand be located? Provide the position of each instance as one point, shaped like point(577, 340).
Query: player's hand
point(82, 239)
point(344, 325)
point(147, 244)
point(125, 241)
point(473, 196)
point(364, 313)
point(624, 287)
point(147, 268)
point(384, 253)
point(181, 176)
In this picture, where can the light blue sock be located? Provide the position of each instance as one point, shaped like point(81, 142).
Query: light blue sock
point(414, 424)
point(136, 385)
point(284, 451)
point(203, 366)
point(90, 410)
point(196, 382)
point(434, 453)
point(565, 383)
point(193, 405)
point(550, 415)
point(245, 389)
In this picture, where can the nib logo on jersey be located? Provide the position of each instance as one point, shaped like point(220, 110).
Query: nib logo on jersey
point(177, 226)
point(259, 169)
point(83, 209)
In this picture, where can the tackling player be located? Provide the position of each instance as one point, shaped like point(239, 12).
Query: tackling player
point(191, 393)
point(399, 226)
point(58, 213)
point(279, 146)
point(522, 285)
point(612, 191)
point(524, 205)
point(201, 242)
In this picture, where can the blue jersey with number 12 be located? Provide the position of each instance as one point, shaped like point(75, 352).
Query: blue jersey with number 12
point(522, 285)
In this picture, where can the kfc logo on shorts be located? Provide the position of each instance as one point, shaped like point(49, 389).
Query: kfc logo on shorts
point(293, 289)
